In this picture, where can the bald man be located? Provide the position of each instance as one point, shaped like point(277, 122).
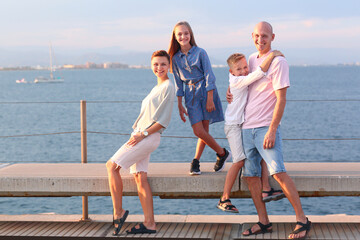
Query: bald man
point(261, 133)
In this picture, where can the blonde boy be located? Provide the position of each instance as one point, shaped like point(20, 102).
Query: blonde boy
point(240, 79)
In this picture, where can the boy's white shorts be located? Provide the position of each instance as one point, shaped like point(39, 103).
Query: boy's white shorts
point(137, 157)
point(233, 135)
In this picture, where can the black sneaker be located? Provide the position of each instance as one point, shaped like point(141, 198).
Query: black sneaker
point(220, 161)
point(195, 167)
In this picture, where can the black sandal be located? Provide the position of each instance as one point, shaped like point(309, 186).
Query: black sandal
point(120, 223)
point(227, 208)
point(304, 227)
point(272, 197)
point(141, 229)
point(263, 229)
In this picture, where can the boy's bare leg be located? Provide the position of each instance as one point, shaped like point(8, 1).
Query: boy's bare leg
point(265, 177)
point(231, 176)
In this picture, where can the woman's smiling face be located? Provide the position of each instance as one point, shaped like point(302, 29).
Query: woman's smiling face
point(160, 67)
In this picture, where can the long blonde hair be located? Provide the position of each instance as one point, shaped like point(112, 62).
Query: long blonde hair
point(174, 46)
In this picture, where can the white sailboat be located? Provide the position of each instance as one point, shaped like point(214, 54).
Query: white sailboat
point(42, 79)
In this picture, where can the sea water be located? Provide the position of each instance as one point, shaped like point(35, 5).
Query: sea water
point(114, 98)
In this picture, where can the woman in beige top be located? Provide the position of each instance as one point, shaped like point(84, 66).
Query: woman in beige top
point(154, 117)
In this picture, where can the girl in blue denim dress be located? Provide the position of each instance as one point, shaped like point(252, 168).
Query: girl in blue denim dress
point(195, 80)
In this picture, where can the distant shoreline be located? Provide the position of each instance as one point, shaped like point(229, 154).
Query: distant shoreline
point(26, 68)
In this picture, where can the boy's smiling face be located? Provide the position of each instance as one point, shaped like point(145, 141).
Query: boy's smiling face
point(239, 68)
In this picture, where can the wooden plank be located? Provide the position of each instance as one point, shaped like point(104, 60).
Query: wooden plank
point(3, 226)
point(104, 230)
point(324, 229)
point(177, 230)
point(24, 229)
point(76, 227)
point(72, 227)
point(92, 232)
point(62, 228)
point(340, 231)
point(15, 228)
point(199, 230)
point(88, 226)
point(30, 229)
point(170, 230)
point(54, 228)
point(235, 231)
point(227, 232)
point(191, 230)
point(184, 231)
point(354, 229)
point(213, 230)
point(11, 227)
point(46, 229)
point(281, 231)
point(161, 232)
point(220, 231)
point(40, 226)
point(206, 230)
point(347, 231)
point(333, 231)
point(275, 233)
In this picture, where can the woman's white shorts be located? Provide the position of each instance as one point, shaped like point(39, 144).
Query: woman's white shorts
point(137, 157)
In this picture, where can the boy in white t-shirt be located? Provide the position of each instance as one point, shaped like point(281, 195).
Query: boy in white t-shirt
point(240, 79)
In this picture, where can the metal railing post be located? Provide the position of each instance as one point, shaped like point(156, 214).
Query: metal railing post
point(85, 206)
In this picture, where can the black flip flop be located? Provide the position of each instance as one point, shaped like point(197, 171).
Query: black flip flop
point(263, 229)
point(120, 223)
point(304, 227)
point(141, 229)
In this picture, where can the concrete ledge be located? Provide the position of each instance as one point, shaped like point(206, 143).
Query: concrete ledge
point(168, 180)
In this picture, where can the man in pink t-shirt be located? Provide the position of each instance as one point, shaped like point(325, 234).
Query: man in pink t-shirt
point(261, 133)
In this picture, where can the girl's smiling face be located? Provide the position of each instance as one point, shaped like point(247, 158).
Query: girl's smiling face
point(182, 35)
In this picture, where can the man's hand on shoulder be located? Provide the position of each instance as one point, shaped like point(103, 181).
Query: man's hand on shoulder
point(229, 96)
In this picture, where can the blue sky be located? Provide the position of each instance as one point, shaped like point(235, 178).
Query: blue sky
point(313, 27)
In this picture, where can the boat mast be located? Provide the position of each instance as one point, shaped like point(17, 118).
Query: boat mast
point(51, 69)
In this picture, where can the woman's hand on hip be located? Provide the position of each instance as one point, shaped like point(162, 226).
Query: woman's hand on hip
point(135, 139)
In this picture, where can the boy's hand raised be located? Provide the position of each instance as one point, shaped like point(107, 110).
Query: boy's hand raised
point(277, 53)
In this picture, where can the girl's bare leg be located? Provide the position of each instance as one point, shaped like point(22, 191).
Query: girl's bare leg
point(200, 143)
point(200, 131)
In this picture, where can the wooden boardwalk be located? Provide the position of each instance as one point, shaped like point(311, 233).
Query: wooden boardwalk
point(166, 230)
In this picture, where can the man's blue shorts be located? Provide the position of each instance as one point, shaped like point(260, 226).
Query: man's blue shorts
point(253, 140)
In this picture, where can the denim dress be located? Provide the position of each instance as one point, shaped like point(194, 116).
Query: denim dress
point(194, 78)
